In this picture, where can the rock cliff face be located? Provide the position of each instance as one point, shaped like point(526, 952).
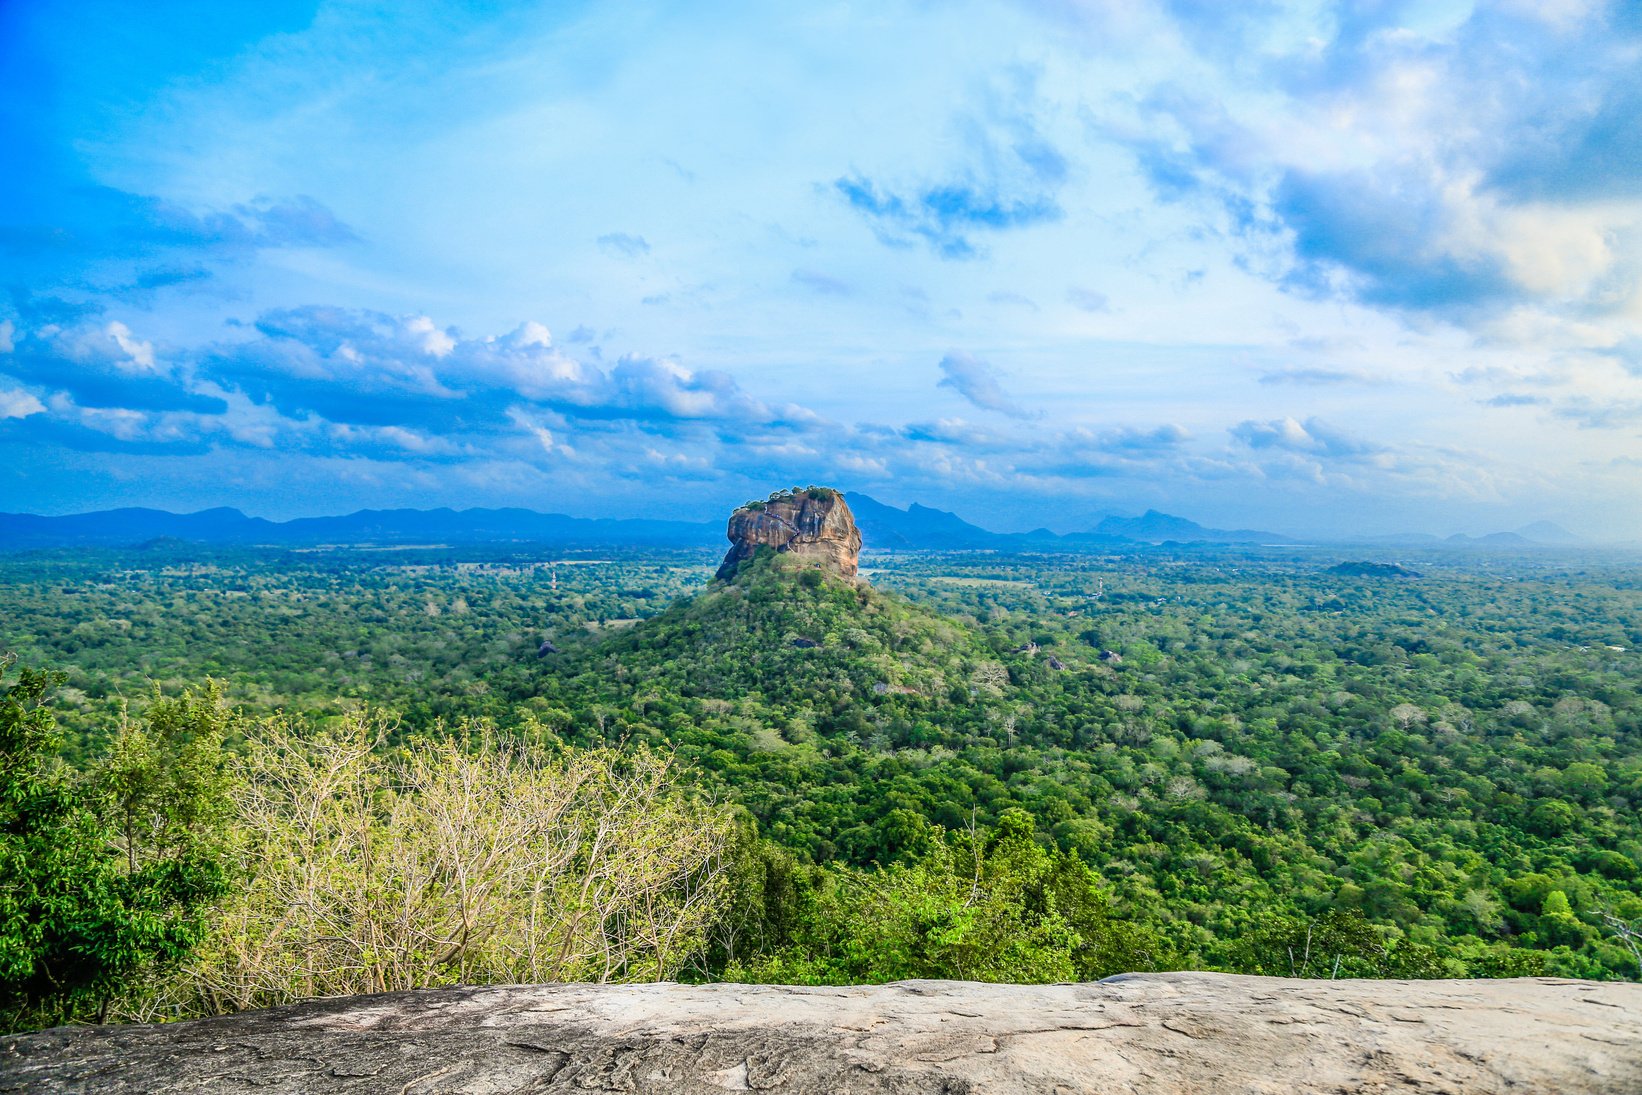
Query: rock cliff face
point(1141, 1034)
point(812, 524)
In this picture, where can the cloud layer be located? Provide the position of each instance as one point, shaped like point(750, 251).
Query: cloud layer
point(1314, 266)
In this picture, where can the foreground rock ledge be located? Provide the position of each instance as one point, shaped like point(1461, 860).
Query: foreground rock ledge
point(1152, 1033)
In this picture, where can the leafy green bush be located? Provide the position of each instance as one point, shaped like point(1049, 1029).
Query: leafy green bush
point(105, 878)
point(981, 906)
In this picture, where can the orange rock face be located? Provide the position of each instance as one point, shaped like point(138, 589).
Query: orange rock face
point(813, 526)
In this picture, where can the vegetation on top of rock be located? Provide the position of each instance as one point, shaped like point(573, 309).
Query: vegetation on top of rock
point(792, 494)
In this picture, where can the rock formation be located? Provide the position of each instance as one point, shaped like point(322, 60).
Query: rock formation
point(814, 524)
point(1142, 1034)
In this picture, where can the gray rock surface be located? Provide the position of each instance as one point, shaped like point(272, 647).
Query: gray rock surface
point(1151, 1033)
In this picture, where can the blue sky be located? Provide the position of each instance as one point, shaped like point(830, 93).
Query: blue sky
point(1315, 267)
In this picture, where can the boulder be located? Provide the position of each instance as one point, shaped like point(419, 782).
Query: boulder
point(1141, 1034)
point(813, 524)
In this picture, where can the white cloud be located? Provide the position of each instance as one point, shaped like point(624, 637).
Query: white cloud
point(16, 403)
point(1189, 191)
point(434, 341)
point(1313, 437)
point(528, 422)
point(139, 355)
point(979, 383)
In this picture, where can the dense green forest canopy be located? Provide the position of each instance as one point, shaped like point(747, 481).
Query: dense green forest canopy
point(1441, 774)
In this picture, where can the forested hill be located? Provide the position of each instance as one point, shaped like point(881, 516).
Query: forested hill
point(791, 638)
point(1228, 749)
point(1024, 767)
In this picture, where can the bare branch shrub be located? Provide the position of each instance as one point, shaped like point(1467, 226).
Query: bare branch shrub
point(440, 863)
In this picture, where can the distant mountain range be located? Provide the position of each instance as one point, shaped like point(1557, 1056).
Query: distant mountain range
point(882, 526)
point(1538, 534)
point(117, 527)
point(922, 527)
point(1154, 527)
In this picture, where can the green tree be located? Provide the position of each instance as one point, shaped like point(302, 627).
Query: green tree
point(89, 904)
point(1339, 943)
point(981, 906)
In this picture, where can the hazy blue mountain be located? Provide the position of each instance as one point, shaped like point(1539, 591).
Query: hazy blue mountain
point(1155, 527)
point(402, 526)
point(1538, 534)
point(884, 526)
point(1546, 532)
point(1491, 540)
point(438, 525)
point(130, 526)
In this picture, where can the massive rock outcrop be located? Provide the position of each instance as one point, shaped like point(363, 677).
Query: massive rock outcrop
point(1141, 1034)
point(814, 524)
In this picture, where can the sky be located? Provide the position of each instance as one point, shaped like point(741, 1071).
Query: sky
point(1322, 268)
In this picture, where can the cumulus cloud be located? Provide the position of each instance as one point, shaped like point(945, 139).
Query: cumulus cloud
point(336, 380)
point(129, 247)
point(1132, 439)
point(1580, 148)
point(1590, 414)
point(1470, 163)
point(663, 388)
point(138, 355)
point(105, 366)
point(444, 407)
point(1459, 173)
point(368, 367)
point(266, 222)
point(324, 384)
point(1009, 178)
point(944, 215)
point(1313, 437)
point(978, 382)
point(17, 403)
point(530, 421)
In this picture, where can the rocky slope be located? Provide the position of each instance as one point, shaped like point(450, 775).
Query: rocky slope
point(1143, 1033)
point(811, 524)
